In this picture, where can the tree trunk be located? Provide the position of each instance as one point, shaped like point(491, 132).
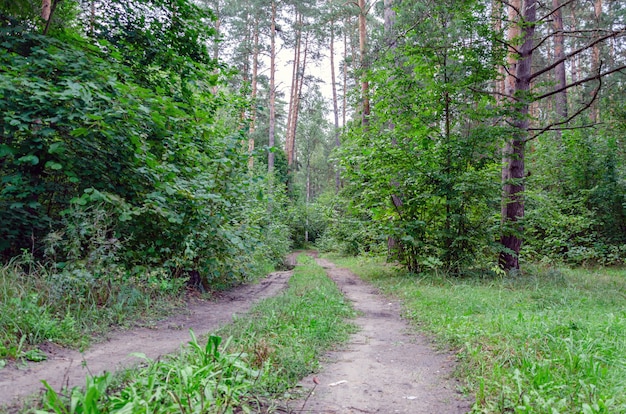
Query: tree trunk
point(296, 112)
point(216, 43)
point(272, 120)
point(518, 80)
point(46, 5)
point(333, 82)
point(559, 70)
point(595, 56)
point(345, 73)
point(365, 110)
point(294, 89)
point(255, 70)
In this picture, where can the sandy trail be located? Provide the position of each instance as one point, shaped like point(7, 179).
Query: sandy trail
point(66, 367)
point(386, 367)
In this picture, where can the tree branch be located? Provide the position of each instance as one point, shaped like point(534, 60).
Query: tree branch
point(578, 112)
point(555, 10)
point(580, 82)
point(506, 3)
point(576, 52)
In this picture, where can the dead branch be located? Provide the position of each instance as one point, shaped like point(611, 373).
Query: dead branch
point(555, 10)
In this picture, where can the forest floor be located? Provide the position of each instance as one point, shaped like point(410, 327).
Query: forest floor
point(384, 368)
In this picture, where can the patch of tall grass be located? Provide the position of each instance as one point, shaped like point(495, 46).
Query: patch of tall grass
point(40, 303)
point(269, 349)
point(546, 341)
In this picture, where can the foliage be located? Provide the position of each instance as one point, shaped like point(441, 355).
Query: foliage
point(582, 219)
point(548, 341)
point(200, 379)
point(347, 230)
point(84, 129)
point(424, 166)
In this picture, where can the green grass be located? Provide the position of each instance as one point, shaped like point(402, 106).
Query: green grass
point(549, 341)
point(277, 343)
point(71, 306)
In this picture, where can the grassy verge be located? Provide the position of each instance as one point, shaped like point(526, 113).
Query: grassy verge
point(278, 342)
point(546, 342)
point(69, 306)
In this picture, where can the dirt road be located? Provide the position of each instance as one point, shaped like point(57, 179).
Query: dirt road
point(384, 369)
point(68, 368)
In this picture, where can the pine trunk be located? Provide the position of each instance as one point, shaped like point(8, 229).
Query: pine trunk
point(518, 82)
point(559, 70)
point(272, 120)
point(294, 91)
point(255, 70)
point(365, 110)
point(595, 56)
point(333, 82)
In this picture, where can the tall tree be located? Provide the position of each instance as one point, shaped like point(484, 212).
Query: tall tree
point(365, 100)
point(523, 88)
point(518, 85)
point(272, 87)
point(333, 85)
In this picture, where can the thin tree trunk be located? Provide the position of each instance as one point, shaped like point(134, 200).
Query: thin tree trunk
point(46, 6)
point(595, 63)
point(559, 54)
point(47, 11)
point(294, 90)
point(294, 125)
point(92, 18)
point(560, 99)
point(520, 63)
point(255, 69)
point(308, 198)
point(272, 120)
point(333, 82)
point(345, 73)
point(365, 110)
point(216, 46)
point(576, 61)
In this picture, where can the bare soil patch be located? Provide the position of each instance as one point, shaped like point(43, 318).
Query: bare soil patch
point(386, 367)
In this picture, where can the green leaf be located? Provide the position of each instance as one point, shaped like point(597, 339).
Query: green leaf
point(6, 150)
point(79, 132)
point(54, 165)
point(28, 159)
point(57, 148)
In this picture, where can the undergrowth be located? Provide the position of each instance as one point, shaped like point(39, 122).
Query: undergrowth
point(277, 343)
point(546, 341)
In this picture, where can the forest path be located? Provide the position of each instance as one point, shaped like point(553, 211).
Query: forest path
point(386, 367)
point(65, 367)
point(383, 369)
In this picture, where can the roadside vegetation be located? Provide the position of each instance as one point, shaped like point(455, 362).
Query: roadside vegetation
point(550, 341)
point(72, 307)
point(241, 368)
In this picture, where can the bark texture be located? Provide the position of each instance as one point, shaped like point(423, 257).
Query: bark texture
point(520, 63)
